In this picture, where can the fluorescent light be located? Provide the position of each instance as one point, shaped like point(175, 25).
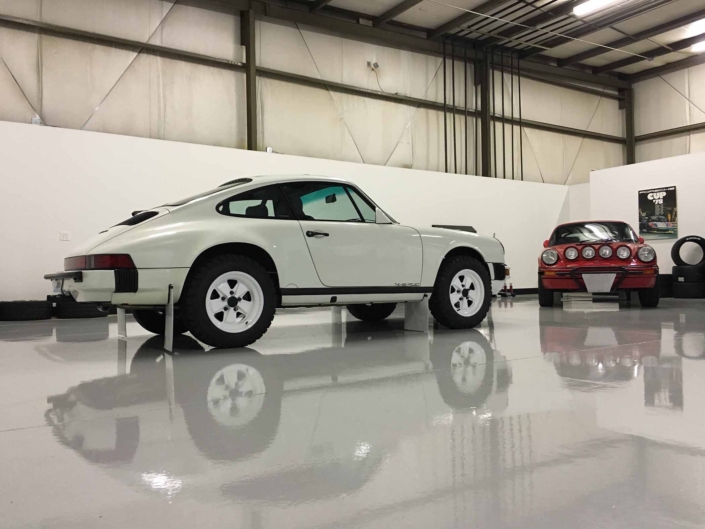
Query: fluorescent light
point(698, 48)
point(591, 6)
point(696, 28)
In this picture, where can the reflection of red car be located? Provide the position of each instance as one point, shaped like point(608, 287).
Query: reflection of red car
point(597, 256)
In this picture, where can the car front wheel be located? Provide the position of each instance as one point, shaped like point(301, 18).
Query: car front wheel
point(229, 302)
point(462, 294)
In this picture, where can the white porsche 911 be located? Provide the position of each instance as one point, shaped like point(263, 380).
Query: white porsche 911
point(234, 254)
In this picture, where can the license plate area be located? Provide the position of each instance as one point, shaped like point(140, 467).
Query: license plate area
point(599, 282)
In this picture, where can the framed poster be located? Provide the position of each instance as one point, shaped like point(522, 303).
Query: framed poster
point(658, 213)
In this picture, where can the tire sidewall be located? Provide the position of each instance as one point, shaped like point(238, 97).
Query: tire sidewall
point(440, 305)
point(193, 304)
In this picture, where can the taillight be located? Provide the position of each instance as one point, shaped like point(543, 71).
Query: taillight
point(98, 262)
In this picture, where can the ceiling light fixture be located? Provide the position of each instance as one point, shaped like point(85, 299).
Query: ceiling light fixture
point(696, 28)
point(698, 48)
point(591, 6)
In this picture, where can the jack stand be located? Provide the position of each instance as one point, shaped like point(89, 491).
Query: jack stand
point(122, 342)
point(416, 315)
point(169, 323)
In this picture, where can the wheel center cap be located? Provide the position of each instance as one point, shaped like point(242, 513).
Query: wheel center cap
point(466, 292)
point(232, 302)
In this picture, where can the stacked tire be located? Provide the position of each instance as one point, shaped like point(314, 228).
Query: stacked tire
point(688, 278)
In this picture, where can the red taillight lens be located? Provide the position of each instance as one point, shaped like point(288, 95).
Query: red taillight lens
point(99, 262)
point(75, 263)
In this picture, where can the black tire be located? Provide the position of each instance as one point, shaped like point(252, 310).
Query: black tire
point(440, 304)
point(25, 310)
point(689, 274)
point(193, 308)
point(154, 321)
point(676, 250)
point(546, 296)
point(688, 290)
point(72, 310)
point(373, 312)
point(650, 297)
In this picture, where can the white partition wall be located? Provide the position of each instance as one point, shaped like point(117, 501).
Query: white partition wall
point(59, 180)
point(614, 195)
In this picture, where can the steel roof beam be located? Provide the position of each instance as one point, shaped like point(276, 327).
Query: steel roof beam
point(466, 18)
point(599, 24)
point(695, 60)
point(395, 11)
point(319, 4)
point(641, 35)
point(658, 52)
point(542, 18)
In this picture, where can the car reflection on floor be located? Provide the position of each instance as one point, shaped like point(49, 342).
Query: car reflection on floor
point(597, 353)
point(299, 426)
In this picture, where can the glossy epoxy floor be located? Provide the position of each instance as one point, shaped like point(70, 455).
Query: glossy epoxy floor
point(583, 416)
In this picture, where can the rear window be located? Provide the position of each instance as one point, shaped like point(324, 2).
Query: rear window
point(138, 217)
point(229, 185)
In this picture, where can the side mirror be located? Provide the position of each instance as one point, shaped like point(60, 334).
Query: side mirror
point(331, 199)
point(545, 244)
point(381, 218)
point(641, 240)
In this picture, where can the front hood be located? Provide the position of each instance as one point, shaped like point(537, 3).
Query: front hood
point(114, 231)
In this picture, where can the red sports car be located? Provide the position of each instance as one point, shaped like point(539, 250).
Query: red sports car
point(597, 256)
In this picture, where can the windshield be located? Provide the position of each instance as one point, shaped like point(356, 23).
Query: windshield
point(587, 232)
point(228, 185)
point(658, 218)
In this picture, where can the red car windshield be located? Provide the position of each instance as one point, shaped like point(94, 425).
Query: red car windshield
point(589, 232)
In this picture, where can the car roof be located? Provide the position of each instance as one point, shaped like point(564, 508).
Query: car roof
point(267, 179)
point(588, 221)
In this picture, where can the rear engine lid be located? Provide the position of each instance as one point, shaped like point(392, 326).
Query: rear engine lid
point(138, 219)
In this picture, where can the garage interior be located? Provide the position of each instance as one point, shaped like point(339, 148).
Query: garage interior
point(513, 116)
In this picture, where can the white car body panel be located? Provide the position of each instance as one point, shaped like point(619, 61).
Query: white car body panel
point(400, 262)
point(375, 255)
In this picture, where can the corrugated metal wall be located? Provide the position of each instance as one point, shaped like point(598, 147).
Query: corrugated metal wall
point(78, 85)
point(673, 100)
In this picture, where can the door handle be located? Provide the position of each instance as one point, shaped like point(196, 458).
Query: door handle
point(316, 234)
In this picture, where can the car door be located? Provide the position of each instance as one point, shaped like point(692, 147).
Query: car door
point(349, 249)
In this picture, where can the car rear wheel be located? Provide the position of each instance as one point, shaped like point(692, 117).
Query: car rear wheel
point(649, 297)
point(462, 294)
point(229, 302)
point(546, 297)
point(372, 312)
point(154, 321)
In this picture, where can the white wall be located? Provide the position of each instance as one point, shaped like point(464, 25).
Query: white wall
point(59, 180)
point(577, 204)
point(614, 195)
point(85, 86)
point(673, 100)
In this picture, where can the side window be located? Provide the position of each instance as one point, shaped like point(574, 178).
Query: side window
point(366, 209)
point(264, 203)
point(321, 201)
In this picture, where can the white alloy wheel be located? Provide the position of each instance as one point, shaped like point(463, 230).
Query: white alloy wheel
point(236, 395)
point(468, 366)
point(467, 292)
point(234, 302)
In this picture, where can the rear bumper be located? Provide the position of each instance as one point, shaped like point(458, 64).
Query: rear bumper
point(149, 286)
point(571, 280)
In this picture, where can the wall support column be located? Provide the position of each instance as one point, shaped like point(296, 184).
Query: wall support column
point(628, 103)
point(247, 30)
point(485, 119)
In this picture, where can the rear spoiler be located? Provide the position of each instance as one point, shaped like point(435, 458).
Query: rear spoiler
point(469, 229)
